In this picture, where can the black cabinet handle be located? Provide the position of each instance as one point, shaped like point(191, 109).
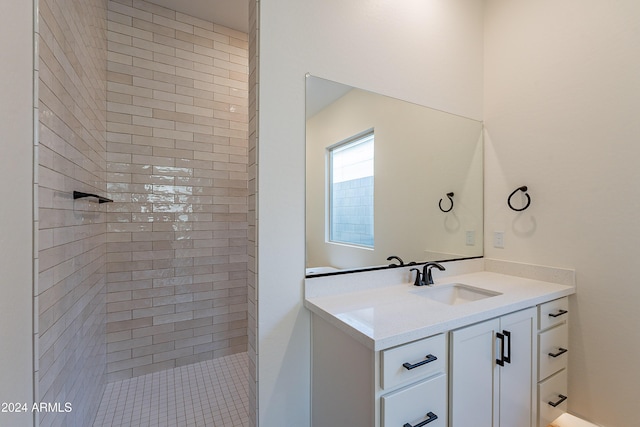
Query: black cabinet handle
point(500, 337)
point(562, 399)
point(559, 313)
point(428, 359)
point(505, 336)
point(507, 358)
point(430, 417)
point(561, 351)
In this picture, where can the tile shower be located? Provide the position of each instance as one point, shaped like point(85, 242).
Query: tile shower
point(149, 107)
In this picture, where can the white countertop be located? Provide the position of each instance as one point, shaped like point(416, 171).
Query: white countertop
point(389, 315)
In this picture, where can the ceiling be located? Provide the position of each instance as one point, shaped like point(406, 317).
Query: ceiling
point(229, 13)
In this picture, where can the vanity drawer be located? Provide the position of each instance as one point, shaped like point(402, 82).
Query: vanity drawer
point(552, 390)
point(413, 361)
point(553, 351)
point(417, 403)
point(553, 313)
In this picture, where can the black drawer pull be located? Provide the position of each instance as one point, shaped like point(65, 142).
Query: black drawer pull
point(559, 313)
point(430, 417)
point(562, 399)
point(428, 359)
point(561, 351)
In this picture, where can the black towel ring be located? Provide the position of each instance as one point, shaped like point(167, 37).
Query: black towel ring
point(449, 195)
point(524, 190)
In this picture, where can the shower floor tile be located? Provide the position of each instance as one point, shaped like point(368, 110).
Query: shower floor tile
point(213, 393)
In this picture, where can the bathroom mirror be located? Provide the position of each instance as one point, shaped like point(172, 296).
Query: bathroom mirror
point(379, 172)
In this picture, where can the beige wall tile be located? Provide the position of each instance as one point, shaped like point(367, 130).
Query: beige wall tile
point(155, 9)
point(129, 50)
point(153, 28)
point(72, 235)
point(172, 23)
point(129, 11)
point(128, 30)
point(173, 116)
point(118, 18)
point(192, 39)
point(128, 363)
point(152, 349)
point(176, 289)
point(211, 35)
point(181, 17)
point(153, 66)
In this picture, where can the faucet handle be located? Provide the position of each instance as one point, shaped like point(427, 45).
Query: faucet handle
point(418, 281)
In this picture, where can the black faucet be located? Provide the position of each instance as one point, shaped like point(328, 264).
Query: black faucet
point(398, 258)
point(427, 277)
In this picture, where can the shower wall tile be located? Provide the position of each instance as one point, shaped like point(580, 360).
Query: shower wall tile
point(177, 143)
point(252, 279)
point(71, 297)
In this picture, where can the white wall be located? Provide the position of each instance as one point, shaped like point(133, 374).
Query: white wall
point(562, 113)
point(16, 201)
point(429, 52)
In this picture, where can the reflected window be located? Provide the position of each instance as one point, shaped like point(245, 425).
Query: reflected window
point(351, 191)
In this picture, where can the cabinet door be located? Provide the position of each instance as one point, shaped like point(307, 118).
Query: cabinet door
point(473, 379)
point(517, 376)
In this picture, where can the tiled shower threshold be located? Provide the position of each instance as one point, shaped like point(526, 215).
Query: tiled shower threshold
point(213, 393)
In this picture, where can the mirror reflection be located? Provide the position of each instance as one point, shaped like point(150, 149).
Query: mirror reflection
point(380, 173)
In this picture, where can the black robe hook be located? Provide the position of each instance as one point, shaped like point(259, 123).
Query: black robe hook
point(524, 190)
point(449, 195)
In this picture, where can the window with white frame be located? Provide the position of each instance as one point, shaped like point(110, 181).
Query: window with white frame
point(351, 191)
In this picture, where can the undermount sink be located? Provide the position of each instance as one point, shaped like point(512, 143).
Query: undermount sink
point(454, 293)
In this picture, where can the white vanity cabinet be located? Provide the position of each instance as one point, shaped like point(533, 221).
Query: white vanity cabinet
point(492, 372)
point(355, 386)
point(391, 356)
point(553, 348)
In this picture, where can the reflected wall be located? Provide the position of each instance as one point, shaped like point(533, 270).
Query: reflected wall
point(421, 154)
